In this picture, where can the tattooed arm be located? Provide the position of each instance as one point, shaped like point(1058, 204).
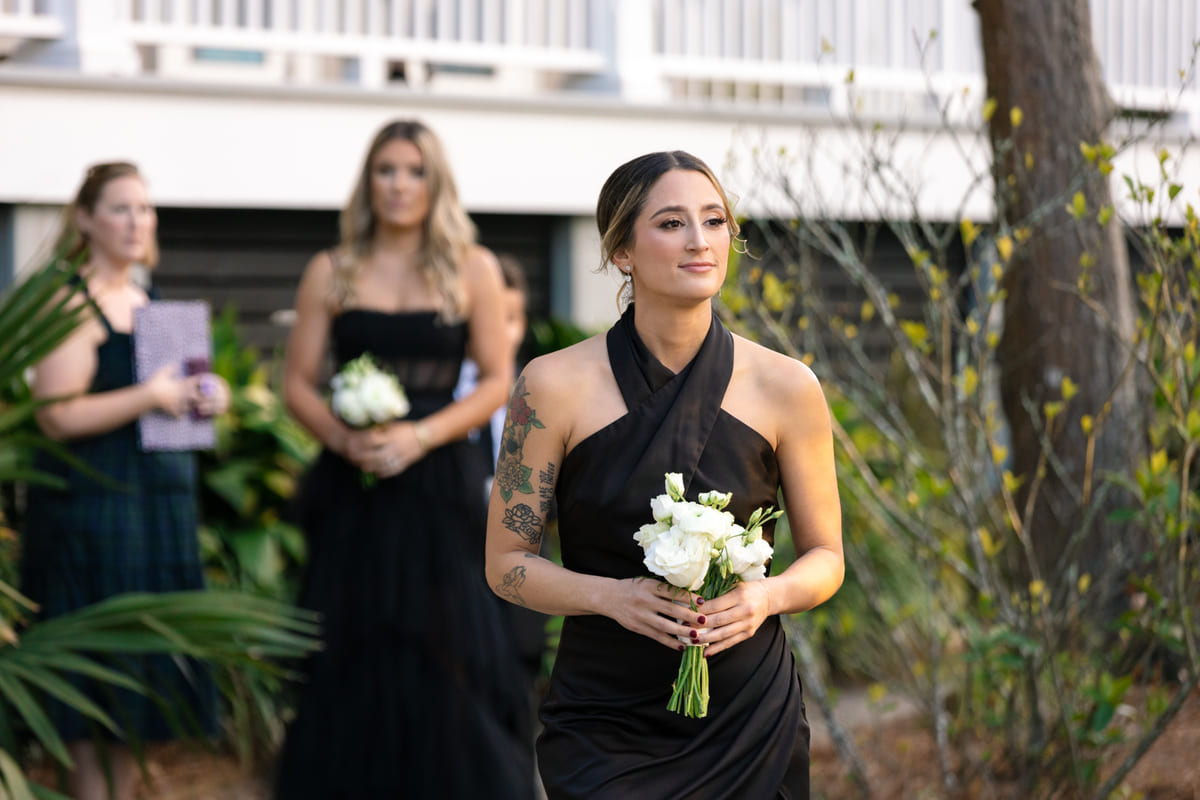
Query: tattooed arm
point(555, 399)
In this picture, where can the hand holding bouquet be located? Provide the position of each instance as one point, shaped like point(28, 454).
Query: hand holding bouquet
point(699, 547)
point(366, 395)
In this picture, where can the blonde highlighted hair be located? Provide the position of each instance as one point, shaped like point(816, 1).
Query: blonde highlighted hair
point(72, 243)
point(448, 233)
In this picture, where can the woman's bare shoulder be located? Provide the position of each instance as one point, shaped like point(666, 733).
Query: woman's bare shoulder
point(568, 371)
point(779, 377)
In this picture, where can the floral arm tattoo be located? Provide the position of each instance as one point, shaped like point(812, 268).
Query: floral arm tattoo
point(513, 477)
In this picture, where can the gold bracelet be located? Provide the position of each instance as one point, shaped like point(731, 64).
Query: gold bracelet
point(422, 434)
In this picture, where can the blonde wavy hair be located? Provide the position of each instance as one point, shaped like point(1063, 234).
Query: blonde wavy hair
point(623, 197)
point(72, 244)
point(448, 233)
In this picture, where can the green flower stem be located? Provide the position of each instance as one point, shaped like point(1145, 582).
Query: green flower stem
point(689, 695)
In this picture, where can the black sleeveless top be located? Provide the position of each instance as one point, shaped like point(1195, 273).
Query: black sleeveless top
point(607, 729)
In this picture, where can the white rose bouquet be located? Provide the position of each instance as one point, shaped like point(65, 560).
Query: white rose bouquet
point(699, 547)
point(364, 394)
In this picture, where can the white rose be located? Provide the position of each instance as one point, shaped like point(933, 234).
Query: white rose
point(675, 485)
point(377, 396)
point(400, 405)
point(681, 559)
point(696, 519)
point(347, 405)
point(748, 559)
point(661, 507)
point(649, 532)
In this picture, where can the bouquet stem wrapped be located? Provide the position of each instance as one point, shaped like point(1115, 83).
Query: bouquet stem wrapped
point(699, 547)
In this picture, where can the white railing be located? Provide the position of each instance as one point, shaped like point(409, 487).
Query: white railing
point(28, 19)
point(906, 55)
point(378, 35)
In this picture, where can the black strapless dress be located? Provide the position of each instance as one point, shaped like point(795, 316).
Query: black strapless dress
point(418, 692)
point(607, 731)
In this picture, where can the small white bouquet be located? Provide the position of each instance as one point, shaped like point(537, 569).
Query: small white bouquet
point(364, 394)
point(699, 547)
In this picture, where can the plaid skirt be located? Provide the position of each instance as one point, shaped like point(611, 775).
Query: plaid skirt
point(95, 540)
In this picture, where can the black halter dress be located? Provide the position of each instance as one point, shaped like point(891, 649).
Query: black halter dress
point(607, 731)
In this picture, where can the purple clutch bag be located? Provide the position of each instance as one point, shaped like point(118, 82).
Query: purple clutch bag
point(173, 332)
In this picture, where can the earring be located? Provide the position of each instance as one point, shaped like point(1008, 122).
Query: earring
point(628, 278)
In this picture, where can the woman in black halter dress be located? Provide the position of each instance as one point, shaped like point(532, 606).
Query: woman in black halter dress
point(596, 426)
point(418, 691)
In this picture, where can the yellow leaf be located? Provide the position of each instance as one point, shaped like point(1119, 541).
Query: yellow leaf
point(1037, 589)
point(802, 323)
point(999, 454)
point(989, 108)
point(876, 692)
point(989, 545)
point(1105, 167)
point(916, 333)
point(1022, 234)
point(1085, 582)
point(969, 380)
point(1105, 214)
point(969, 232)
point(1078, 206)
point(912, 498)
point(1016, 116)
point(1011, 482)
point(1004, 246)
point(1028, 160)
point(867, 311)
point(993, 339)
point(1052, 410)
point(775, 292)
point(1088, 151)
point(1068, 387)
point(1158, 462)
point(808, 359)
point(851, 331)
point(1085, 422)
point(850, 76)
point(755, 274)
point(893, 300)
point(972, 325)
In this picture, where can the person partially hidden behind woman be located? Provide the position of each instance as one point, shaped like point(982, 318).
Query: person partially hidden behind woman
point(417, 692)
point(136, 532)
point(667, 389)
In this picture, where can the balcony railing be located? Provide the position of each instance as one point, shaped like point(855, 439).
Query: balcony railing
point(907, 57)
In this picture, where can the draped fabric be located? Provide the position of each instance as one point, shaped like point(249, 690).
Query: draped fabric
point(607, 732)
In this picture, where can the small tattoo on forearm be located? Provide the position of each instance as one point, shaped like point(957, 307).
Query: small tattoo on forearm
point(510, 586)
point(524, 522)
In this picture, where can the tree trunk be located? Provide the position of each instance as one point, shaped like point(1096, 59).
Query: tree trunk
point(1039, 58)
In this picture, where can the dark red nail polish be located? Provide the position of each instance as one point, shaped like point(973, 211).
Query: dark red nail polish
point(682, 647)
point(699, 601)
point(702, 619)
point(694, 634)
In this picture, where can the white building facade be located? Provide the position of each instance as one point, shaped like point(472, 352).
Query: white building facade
point(252, 113)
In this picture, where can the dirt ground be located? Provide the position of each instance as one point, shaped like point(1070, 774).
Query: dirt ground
point(900, 756)
point(901, 762)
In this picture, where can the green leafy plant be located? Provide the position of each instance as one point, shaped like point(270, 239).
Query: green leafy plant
point(42, 658)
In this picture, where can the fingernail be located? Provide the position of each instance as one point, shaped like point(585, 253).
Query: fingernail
point(702, 619)
point(682, 647)
point(694, 634)
point(699, 601)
